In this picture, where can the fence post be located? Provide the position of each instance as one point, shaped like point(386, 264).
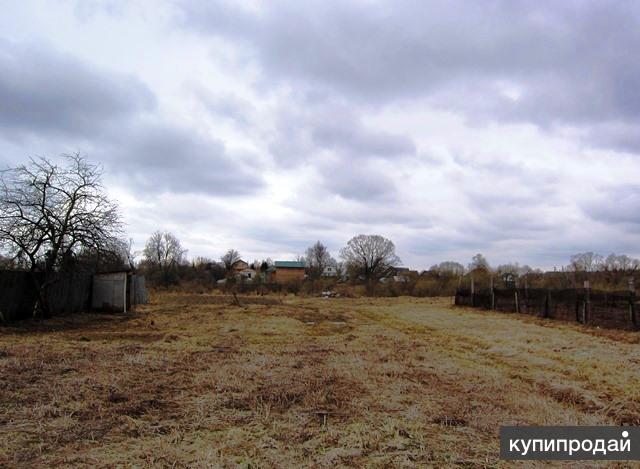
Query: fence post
point(547, 305)
point(517, 302)
point(586, 314)
point(526, 295)
point(632, 303)
point(493, 295)
point(473, 293)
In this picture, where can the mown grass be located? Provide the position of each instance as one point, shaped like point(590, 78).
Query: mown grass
point(194, 381)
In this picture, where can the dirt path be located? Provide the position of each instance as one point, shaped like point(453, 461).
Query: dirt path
point(192, 381)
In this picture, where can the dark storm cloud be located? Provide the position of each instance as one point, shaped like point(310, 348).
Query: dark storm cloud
point(44, 91)
point(542, 62)
point(166, 158)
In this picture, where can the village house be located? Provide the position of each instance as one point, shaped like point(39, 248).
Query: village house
point(242, 271)
point(287, 271)
point(400, 275)
point(247, 274)
point(329, 271)
point(239, 265)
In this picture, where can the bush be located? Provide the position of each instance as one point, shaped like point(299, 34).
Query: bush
point(293, 286)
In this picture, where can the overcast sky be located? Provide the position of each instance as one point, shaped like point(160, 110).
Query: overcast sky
point(502, 127)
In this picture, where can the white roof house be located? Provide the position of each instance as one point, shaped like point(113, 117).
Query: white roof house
point(329, 271)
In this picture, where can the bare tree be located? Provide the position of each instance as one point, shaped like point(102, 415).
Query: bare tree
point(317, 259)
point(50, 212)
point(621, 262)
point(448, 268)
point(230, 258)
point(129, 253)
point(514, 268)
point(586, 262)
point(479, 262)
point(164, 253)
point(5, 262)
point(370, 256)
point(265, 265)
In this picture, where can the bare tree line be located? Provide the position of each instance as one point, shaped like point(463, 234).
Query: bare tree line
point(54, 216)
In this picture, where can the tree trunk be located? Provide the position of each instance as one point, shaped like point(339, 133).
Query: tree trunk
point(371, 286)
point(41, 287)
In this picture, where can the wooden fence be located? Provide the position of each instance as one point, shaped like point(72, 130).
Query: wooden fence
point(615, 310)
point(69, 293)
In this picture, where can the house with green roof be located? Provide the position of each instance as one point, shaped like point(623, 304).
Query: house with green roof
point(287, 271)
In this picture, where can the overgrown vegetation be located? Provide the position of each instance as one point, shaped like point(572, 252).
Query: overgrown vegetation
point(194, 381)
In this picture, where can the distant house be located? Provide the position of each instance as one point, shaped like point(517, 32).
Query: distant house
point(399, 275)
point(286, 271)
point(242, 271)
point(329, 271)
point(247, 274)
point(239, 266)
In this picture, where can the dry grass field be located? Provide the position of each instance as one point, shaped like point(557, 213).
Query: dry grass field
point(192, 381)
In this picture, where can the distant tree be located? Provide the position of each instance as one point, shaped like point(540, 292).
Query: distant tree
point(479, 262)
point(620, 262)
point(370, 256)
point(317, 259)
point(50, 212)
point(164, 254)
point(265, 264)
point(202, 263)
point(230, 258)
point(207, 270)
point(128, 253)
point(514, 268)
point(448, 268)
point(586, 262)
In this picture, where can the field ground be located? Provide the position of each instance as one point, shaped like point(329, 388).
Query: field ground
point(192, 381)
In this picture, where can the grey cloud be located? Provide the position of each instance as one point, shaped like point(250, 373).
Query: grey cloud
point(161, 157)
point(619, 136)
point(567, 63)
point(88, 9)
point(352, 137)
point(228, 106)
point(305, 129)
point(624, 210)
point(44, 91)
point(357, 181)
point(293, 238)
